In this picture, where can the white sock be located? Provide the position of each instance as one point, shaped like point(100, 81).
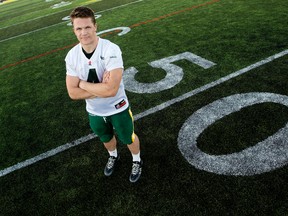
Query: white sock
point(136, 157)
point(113, 153)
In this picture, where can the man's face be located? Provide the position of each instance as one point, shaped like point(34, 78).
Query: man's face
point(84, 30)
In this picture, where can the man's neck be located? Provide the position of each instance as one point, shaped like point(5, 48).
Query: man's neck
point(91, 47)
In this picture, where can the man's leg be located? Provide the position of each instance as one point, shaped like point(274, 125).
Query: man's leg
point(135, 146)
point(104, 130)
point(113, 158)
point(124, 126)
point(137, 162)
point(111, 145)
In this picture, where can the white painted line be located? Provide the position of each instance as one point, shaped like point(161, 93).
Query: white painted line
point(46, 155)
point(210, 85)
point(29, 32)
point(31, 20)
point(124, 5)
point(141, 115)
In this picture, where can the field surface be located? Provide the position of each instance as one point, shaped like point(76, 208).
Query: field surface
point(207, 84)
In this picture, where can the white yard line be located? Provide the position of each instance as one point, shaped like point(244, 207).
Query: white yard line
point(29, 32)
point(141, 115)
point(124, 5)
point(30, 19)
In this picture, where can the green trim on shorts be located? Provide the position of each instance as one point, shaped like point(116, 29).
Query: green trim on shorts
point(120, 123)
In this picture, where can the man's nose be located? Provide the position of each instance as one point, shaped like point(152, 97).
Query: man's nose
point(84, 31)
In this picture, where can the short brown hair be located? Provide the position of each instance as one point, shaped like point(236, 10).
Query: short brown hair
point(82, 12)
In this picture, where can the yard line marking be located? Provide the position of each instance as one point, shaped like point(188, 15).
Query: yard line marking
point(132, 26)
point(60, 22)
point(212, 84)
point(174, 13)
point(46, 155)
point(155, 109)
point(30, 32)
point(32, 19)
point(119, 6)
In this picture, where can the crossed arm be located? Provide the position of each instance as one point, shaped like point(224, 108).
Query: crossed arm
point(80, 89)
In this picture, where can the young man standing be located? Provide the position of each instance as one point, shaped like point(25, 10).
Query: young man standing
point(94, 73)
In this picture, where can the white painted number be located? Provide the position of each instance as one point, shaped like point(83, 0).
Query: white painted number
point(124, 30)
point(174, 73)
point(61, 4)
point(265, 156)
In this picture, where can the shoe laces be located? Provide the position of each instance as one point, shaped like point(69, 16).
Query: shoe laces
point(110, 162)
point(135, 168)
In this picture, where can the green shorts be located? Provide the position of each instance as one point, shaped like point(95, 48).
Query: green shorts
point(121, 123)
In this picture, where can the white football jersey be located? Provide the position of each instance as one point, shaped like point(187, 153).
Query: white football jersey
point(106, 57)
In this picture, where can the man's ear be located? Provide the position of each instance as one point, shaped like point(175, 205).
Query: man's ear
point(72, 25)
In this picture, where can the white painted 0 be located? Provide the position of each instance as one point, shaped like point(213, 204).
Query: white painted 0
point(265, 156)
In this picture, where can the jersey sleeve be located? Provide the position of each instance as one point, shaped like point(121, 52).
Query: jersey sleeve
point(113, 58)
point(70, 69)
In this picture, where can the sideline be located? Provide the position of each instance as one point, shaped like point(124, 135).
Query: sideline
point(143, 114)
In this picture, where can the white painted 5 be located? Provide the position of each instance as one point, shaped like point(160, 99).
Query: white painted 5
point(174, 74)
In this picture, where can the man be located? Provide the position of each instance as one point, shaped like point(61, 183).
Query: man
point(94, 73)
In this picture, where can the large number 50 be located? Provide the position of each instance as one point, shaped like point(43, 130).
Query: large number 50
point(265, 156)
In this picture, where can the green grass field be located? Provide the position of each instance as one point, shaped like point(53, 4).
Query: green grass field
point(236, 110)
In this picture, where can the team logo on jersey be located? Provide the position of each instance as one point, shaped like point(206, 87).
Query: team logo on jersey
point(120, 104)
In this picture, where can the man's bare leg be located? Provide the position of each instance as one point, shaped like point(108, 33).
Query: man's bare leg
point(111, 145)
point(135, 146)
